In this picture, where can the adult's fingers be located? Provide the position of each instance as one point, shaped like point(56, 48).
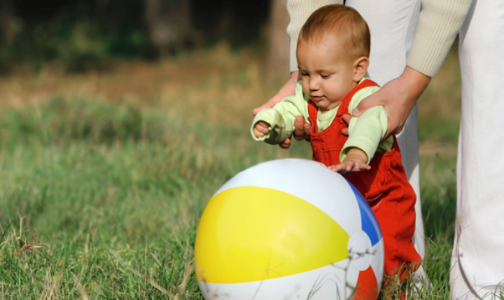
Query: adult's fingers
point(398, 98)
point(299, 130)
point(307, 130)
point(346, 119)
point(285, 144)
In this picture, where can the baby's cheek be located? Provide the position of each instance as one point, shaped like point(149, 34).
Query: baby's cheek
point(306, 87)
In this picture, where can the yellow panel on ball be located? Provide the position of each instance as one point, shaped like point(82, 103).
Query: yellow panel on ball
point(253, 233)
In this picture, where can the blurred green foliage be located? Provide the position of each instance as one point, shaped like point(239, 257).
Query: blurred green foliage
point(82, 35)
point(61, 121)
point(79, 34)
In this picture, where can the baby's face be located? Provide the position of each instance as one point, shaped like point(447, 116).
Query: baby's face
point(327, 72)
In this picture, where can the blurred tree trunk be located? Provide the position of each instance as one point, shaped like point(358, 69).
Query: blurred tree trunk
point(278, 42)
point(168, 23)
point(9, 26)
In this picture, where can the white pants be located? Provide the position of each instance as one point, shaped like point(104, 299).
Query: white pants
point(478, 252)
point(393, 24)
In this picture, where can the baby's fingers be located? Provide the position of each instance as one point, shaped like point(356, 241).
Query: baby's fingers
point(361, 167)
point(258, 134)
point(341, 168)
point(348, 168)
point(260, 131)
point(262, 128)
point(335, 168)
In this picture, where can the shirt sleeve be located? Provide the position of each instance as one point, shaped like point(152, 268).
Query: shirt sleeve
point(438, 25)
point(281, 117)
point(367, 131)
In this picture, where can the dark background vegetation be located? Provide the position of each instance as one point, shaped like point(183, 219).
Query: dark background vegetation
point(83, 34)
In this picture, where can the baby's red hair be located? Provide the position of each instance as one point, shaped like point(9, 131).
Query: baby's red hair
point(342, 22)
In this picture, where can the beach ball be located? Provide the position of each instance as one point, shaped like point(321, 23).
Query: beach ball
point(288, 229)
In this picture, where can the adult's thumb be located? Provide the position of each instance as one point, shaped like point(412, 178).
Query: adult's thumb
point(364, 105)
point(258, 109)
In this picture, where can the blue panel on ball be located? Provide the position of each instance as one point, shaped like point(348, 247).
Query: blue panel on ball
point(369, 223)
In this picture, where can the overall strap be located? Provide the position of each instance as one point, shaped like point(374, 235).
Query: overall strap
point(343, 109)
point(312, 115)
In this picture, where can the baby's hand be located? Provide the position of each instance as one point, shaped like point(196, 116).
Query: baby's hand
point(349, 167)
point(261, 129)
point(355, 161)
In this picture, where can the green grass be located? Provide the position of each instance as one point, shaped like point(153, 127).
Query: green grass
point(104, 212)
point(101, 199)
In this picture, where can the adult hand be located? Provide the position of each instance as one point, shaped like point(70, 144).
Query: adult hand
point(301, 131)
point(398, 97)
point(346, 118)
point(288, 89)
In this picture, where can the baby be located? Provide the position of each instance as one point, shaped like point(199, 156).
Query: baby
point(333, 58)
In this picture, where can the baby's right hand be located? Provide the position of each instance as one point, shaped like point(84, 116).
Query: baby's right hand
point(261, 129)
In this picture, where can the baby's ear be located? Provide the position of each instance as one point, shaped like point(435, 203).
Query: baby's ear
point(361, 65)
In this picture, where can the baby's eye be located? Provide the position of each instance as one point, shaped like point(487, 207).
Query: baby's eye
point(304, 74)
point(324, 75)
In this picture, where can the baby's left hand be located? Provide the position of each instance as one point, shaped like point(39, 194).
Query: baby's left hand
point(346, 167)
point(355, 161)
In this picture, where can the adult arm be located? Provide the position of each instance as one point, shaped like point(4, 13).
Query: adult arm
point(438, 26)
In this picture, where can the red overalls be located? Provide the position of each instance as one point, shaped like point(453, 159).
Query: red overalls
point(385, 187)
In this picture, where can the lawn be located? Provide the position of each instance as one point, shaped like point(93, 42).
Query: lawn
point(104, 174)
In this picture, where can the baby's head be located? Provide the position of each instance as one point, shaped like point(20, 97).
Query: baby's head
point(333, 54)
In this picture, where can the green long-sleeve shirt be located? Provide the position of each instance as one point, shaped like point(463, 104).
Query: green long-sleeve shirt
point(365, 132)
